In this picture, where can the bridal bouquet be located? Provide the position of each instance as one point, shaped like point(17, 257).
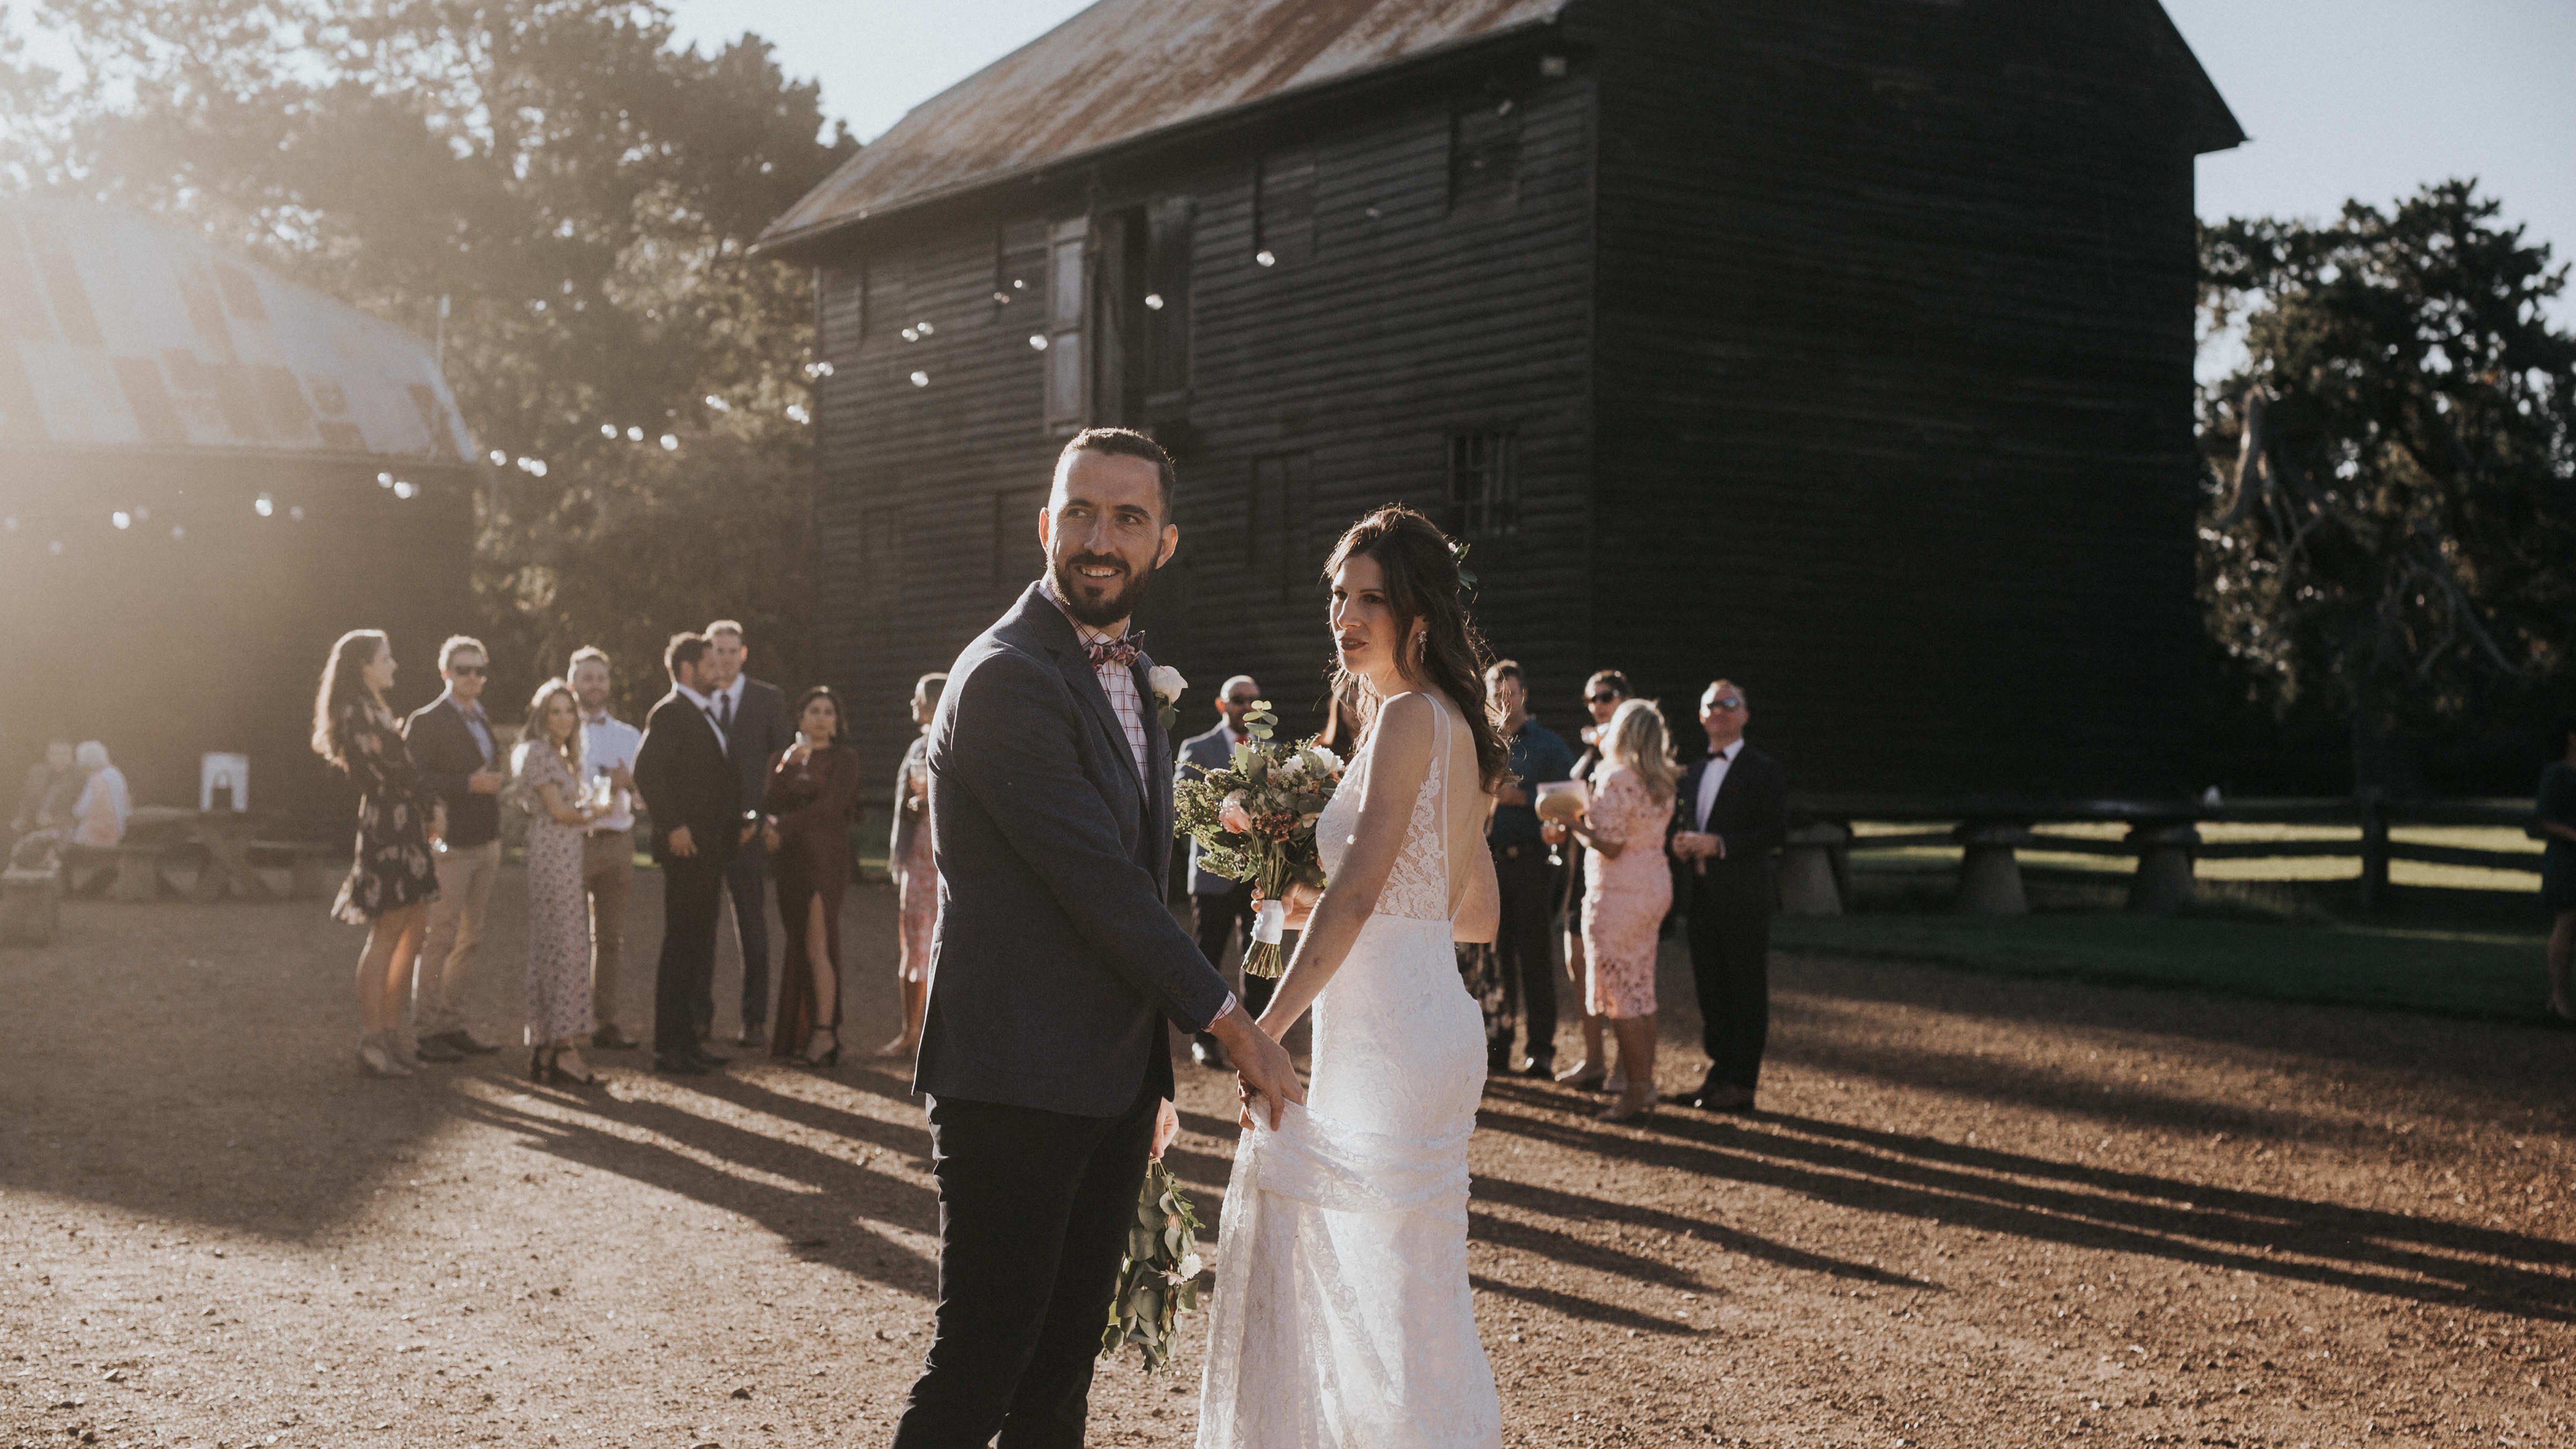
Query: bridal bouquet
point(1255, 820)
point(1160, 1279)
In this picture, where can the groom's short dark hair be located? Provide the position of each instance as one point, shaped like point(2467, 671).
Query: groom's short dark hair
point(1124, 443)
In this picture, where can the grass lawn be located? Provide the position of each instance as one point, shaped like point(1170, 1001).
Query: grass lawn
point(2453, 971)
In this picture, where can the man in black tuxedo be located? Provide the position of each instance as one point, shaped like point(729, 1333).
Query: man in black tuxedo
point(695, 797)
point(753, 717)
point(1731, 812)
point(1056, 965)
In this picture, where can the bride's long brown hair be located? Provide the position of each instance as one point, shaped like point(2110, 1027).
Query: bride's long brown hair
point(1421, 579)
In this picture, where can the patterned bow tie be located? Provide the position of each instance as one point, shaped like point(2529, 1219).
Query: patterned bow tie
point(1121, 652)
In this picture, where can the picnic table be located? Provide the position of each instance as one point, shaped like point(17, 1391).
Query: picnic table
point(226, 847)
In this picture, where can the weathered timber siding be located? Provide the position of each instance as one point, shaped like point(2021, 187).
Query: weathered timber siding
point(1894, 384)
point(1347, 367)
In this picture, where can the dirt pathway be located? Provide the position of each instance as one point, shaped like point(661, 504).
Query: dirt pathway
point(1976, 1212)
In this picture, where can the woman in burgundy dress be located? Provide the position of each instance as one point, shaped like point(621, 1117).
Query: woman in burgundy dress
point(813, 789)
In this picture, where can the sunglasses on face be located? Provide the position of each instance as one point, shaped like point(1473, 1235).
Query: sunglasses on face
point(1729, 702)
point(1605, 698)
point(474, 670)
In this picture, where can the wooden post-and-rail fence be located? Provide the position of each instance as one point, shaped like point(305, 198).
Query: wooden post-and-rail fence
point(2164, 837)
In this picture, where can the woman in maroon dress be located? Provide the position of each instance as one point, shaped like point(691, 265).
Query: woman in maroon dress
point(813, 789)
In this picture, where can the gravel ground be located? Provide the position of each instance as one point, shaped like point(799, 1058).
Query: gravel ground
point(1973, 1212)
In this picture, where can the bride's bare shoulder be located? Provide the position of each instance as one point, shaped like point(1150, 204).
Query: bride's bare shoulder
point(1403, 730)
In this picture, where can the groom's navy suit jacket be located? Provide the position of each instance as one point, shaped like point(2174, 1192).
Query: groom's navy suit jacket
point(1055, 961)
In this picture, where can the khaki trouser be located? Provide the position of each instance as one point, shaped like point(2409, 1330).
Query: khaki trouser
point(454, 937)
point(607, 875)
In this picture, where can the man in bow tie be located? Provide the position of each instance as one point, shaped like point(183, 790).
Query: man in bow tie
point(1055, 965)
point(1222, 905)
point(451, 743)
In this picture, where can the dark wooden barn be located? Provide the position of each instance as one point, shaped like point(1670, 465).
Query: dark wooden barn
point(1842, 347)
point(206, 475)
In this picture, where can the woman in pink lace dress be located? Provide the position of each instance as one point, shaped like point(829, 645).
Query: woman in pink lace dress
point(916, 879)
point(1627, 888)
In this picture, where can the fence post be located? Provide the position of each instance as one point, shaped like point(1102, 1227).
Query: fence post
point(1808, 884)
point(2163, 884)
point(2376, 893)
point(1989, 871)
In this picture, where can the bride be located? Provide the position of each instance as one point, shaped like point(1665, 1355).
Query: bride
point(1342, 1314)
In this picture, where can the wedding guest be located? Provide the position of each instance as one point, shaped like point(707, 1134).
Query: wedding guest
point(916, 881)
point(694, 795)
point(53, 788)
point(99, 814)
point(391, 883)
point(608, 746)
point(1221, 905)
point(1603, 693)
point(813, 791)
point(548, 775)
point(452, 741)
point(1525, 946)
point(753, 719)
point(1733, 812)
point(1627, 888)
point(2556, 810)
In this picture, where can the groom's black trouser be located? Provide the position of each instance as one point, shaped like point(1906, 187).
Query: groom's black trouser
point(692, 887)
point(1033, 1215)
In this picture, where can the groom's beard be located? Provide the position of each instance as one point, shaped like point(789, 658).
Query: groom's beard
point(1073, 588)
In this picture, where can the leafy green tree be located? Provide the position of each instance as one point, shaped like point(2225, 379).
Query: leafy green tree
point(2392, 517)
point(565, 197)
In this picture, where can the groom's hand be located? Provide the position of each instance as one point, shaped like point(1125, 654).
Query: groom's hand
point(1263, 1064)
point(1167, 1125)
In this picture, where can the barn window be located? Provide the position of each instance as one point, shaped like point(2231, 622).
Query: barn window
point(1019, 270)
point(1066, 372)
point(1484, 486)
point(1283, 215)
point(1275, 523)
point(1484, 159)
point(1169, 223)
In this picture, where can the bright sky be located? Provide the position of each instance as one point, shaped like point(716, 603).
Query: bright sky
point(2343, 98)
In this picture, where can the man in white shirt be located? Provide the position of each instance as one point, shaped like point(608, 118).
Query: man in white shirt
point(608, 746)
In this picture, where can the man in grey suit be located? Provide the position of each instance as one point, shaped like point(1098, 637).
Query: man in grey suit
point(1055, 966)
point(1222, 905)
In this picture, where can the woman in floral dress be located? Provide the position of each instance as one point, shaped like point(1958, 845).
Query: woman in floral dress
point(1627, 889)
point(547, 779)
point(916, 882)
point(392, 880)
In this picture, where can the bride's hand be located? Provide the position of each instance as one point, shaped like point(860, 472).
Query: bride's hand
point(1300, 900)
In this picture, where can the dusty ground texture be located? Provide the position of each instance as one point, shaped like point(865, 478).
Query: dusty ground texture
point(1974, 1211)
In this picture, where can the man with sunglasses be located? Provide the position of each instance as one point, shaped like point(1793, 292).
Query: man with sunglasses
point(1223, 906)
point(1732, 811)
point(451, 743)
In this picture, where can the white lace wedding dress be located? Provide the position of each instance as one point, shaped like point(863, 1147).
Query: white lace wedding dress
point(1342, 1317)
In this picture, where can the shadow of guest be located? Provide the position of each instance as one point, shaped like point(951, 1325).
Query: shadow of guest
point(813, 790)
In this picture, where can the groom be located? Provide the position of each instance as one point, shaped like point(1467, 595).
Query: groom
point(1054, 966)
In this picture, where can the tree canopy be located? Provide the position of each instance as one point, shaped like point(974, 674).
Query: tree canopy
point(2392, 509)
point(579, 192)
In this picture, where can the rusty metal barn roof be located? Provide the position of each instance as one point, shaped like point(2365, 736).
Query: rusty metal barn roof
point(120, 332)
point(1128, 68)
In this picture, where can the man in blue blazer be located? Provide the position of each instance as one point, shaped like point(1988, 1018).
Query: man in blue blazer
point(1221, 905)
point(1055, 966)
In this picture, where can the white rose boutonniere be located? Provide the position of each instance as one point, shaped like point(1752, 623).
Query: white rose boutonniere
point(1167, 684)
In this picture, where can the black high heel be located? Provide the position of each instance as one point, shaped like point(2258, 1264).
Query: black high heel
point(830, 1058)
point(539, 1068)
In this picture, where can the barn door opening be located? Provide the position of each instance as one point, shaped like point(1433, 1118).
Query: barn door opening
point(1119, 374)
